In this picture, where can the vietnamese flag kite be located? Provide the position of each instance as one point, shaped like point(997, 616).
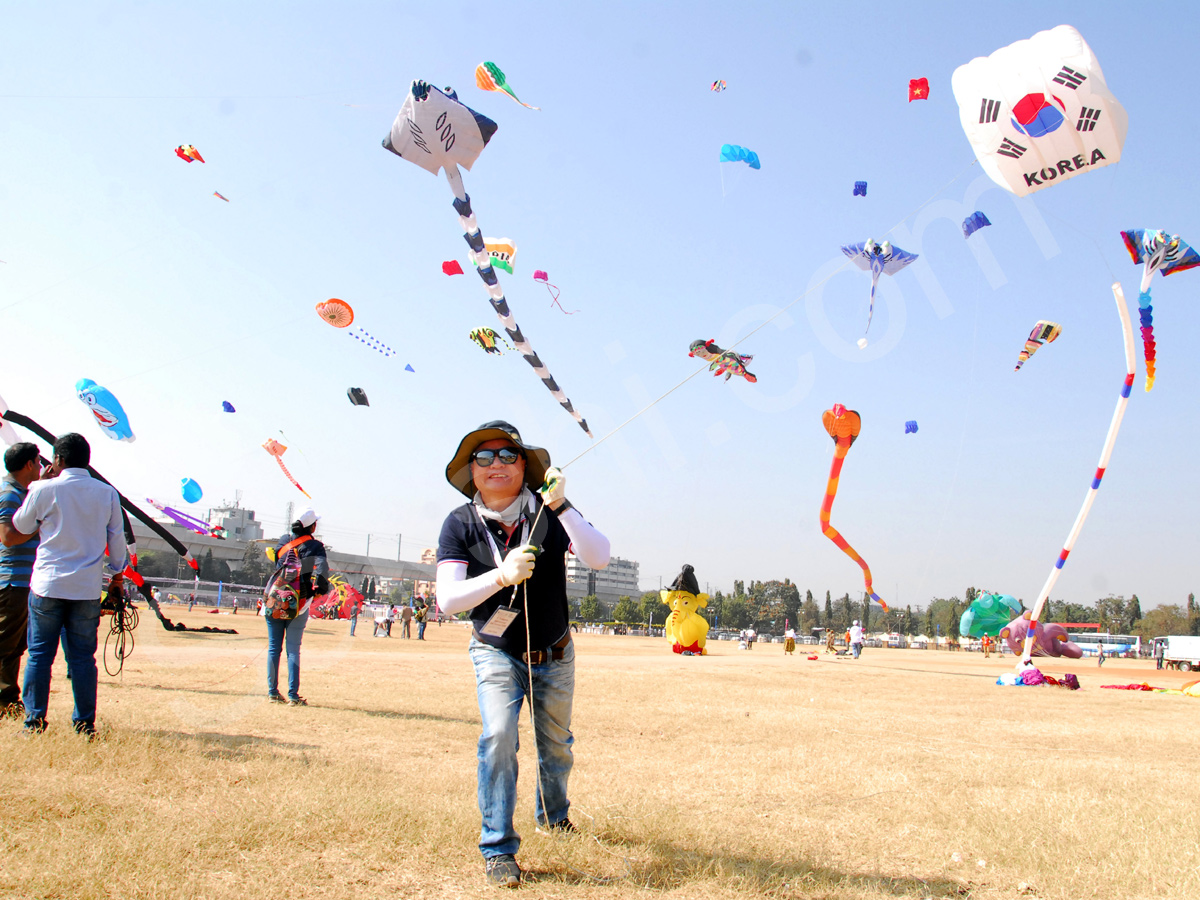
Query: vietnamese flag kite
point(918, 89)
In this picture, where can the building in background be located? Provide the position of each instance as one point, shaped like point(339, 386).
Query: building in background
point(239, 523)
point(616, 580)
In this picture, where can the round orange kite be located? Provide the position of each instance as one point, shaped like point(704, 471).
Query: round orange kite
point(336, 312)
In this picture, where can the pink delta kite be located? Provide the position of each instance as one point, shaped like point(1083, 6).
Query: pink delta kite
point(277, 450)
point(540, 276)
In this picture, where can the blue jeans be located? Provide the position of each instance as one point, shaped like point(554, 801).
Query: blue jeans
point(353, 624)
point(501, 683)
point(421, 630)
point(279, 633)
point(78, 622)
point(857, 648)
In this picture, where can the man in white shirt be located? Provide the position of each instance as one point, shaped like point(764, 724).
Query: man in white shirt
point(79, 521)
point(856, 638)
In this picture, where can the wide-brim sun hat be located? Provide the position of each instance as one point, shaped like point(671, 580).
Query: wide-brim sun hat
point(458, 470)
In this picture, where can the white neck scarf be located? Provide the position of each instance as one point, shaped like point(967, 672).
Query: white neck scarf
point(509, 515)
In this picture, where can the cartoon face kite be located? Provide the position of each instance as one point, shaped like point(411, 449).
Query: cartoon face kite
point(878, 259)
point(188, 153)
point(106, 408)
point(1038, 111)
point(277, 450)
point(722, 362)
point(1043, 333)
point(489, 78)
point(843, 426)
point(1158, 251)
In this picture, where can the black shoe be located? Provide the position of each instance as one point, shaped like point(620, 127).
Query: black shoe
point(297, 701)
point(562, 826)
point(502, 871)
point(276, 697)
point(35, 726)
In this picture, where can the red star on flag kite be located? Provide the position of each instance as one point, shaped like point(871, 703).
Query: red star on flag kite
point(918, 89)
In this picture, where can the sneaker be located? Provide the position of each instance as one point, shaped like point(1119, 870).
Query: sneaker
point(276, 697)
point(562, 826)
point(297, 701)
point(502, 871)
point(36, 726)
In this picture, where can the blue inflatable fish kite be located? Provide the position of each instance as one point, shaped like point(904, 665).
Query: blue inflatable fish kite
point(106, 408)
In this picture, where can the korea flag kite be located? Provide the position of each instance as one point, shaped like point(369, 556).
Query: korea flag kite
point(1038, 111)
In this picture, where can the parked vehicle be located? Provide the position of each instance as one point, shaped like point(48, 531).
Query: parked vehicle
point(1179, 651)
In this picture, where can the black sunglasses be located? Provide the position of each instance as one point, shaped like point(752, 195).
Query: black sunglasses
point(508, 456)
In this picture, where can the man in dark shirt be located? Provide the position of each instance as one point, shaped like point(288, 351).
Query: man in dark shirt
point(520, 644)
point(22, 467)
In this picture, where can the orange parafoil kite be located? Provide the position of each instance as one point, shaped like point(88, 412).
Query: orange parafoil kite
point(336, 312)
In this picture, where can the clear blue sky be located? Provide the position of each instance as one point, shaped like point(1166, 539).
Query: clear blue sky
point(121, 266)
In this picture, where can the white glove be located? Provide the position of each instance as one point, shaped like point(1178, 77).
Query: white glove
point(517, 566)
point(555, 489)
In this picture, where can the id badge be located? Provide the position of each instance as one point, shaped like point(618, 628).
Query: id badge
point(499, 622)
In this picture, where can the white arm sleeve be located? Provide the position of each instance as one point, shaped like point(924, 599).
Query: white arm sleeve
point(588, 544)
point(456, 593)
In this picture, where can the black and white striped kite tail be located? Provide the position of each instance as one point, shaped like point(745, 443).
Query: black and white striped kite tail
point(486, 271)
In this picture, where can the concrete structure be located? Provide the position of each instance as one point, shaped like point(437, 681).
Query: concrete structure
point(616, 580)
point(239, 523)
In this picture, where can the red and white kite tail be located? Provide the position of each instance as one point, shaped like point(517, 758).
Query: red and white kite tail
point(1110, 439)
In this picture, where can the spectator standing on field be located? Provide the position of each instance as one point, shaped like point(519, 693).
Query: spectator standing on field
point(22, 468)
point(406, 617)
point(856, 638)
point(422, 615)
point(79, 522)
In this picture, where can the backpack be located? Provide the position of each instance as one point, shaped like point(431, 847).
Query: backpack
point(281, 596)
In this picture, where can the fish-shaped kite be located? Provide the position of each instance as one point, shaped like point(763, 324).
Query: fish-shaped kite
point(1043, 332)
point(540, 276)
point(277, 450)
point(722, 362)
point(486, 338)
point(489, 77)
point(1158, 251)
point(843, 426)
point(107, 409)
point(973, 223)
point(188, 153)
point(416, 135)
point(878, 259)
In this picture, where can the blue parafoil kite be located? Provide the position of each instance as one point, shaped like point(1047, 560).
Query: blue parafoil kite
point(973, 223)
point(191, 491)
point(106, 408)
point(860, 189)
point(734, 153)
point(227, 406)
point(910, 427)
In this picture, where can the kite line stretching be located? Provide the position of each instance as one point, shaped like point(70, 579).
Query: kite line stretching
point(435, 131)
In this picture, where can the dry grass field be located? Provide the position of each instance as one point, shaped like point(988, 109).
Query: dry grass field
point(905, 774)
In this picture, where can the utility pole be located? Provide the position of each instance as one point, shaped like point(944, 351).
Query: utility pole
point(368, 545)
point(399, 541)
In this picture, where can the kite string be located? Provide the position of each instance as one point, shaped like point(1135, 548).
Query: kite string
point(763, 324)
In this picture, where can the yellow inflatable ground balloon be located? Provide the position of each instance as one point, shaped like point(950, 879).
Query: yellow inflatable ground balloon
point(686, 629)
